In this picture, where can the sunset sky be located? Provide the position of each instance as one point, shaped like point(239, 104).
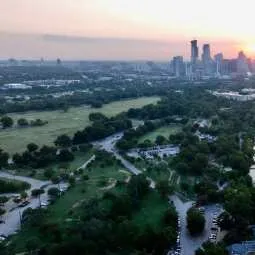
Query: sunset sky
point(123, 29)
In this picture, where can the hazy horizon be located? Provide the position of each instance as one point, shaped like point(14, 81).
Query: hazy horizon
point(123, 29)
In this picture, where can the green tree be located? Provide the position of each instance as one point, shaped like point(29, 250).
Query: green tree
point(160, 140)
point(138, 186)
point(32, 147)
point(71, 180)
point(37, 192)
point(32, 244)
point(164, 188)
point(23, 195)
point(54, 192)
point(2, 211)
point(22, 122)
point(195, 221)
point(7, 121)
point(182, 168)
point(209, 248)
point(65, 155)
point(3, 200)
point(97, 116)
point(63, 141)
point(49, 173)
point(4, 156)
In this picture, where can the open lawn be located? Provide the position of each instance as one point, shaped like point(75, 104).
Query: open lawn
point(16, 139)
point(164, 131)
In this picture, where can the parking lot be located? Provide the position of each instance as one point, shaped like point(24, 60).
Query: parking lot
point(187, 244)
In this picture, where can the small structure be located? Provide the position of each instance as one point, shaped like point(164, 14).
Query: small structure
point(244, 248)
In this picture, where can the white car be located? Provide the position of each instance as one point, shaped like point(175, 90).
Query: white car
point(44, 204)
point(213, 236)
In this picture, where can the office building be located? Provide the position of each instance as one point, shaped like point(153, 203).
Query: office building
point(242, 64)
point(178, 67)
point(207, 60)
point(194, 54)
point(218, 58)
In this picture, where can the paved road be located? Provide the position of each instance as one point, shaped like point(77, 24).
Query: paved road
point(109, 143)
point(188, 243)
point(12, 218)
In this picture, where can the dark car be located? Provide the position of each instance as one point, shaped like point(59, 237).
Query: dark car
point(25, 203)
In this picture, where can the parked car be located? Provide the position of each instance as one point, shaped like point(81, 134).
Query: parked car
point(25, 203)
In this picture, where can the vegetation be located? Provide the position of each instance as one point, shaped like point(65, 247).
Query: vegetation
point(105, 211)
point(6, 122)
point(195, 221)
point(13, 186)
point(15, 140)
point(123, 206)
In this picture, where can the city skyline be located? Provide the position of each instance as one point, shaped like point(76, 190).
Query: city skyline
point(144, 29)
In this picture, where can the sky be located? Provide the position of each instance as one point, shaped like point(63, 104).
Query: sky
point(124, 29)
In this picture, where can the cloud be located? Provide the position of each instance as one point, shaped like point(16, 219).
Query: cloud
point(79, 39)
point(52, 46)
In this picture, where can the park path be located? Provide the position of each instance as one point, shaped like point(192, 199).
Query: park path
point(92, 158)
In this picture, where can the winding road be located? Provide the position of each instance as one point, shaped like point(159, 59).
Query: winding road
point(13, 217)
point(108, 144)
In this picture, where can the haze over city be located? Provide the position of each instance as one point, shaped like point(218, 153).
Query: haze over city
point(114, 29)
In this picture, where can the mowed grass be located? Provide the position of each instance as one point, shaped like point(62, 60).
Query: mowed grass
point(16, 139)
point(165, 131)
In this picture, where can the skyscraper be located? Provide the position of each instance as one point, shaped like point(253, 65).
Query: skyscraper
point(206, 56)
point(194, 52)
point(207, 60)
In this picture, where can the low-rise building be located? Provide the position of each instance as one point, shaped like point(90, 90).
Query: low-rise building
point(244, 248)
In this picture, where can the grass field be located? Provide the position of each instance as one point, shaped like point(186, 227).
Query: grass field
point(15, 140)
point(164, 131)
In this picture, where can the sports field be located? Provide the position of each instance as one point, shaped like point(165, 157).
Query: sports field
point(76, 118)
